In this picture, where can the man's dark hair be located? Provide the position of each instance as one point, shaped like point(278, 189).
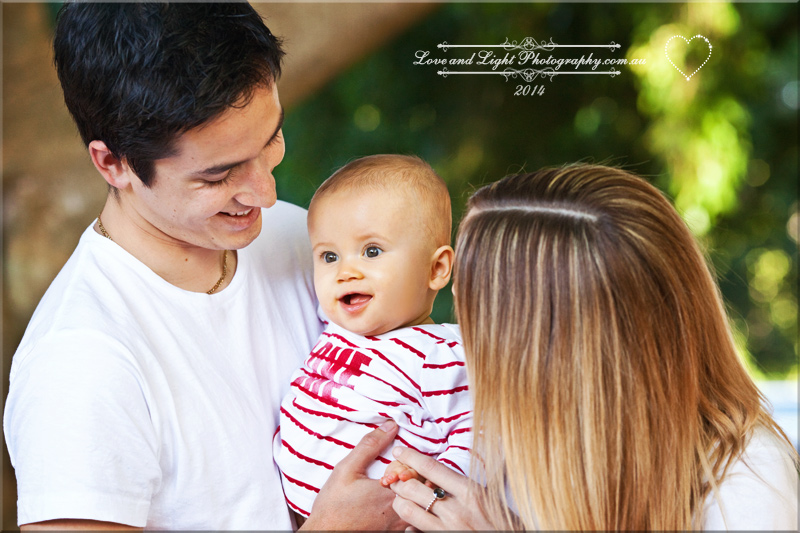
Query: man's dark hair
point(137, 75)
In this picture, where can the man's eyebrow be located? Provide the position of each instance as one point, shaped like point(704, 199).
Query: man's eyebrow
point(219, 169)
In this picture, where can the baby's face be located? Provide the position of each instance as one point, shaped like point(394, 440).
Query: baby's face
point(372, 260)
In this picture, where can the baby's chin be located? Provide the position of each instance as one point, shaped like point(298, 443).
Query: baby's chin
point(374, 330)
point(366, 331)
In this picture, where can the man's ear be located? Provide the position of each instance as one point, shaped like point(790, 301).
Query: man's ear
point(115, 171)
point(441, 267)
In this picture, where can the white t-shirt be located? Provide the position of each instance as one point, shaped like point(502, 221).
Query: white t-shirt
point(760, 491)
point(137, 402)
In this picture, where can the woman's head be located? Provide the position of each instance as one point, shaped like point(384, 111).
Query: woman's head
point(598, 350)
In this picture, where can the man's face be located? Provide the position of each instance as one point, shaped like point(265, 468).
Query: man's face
point(372, 260)
point(210, 194)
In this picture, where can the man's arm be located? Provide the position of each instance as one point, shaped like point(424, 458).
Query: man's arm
point(77, 525)
point(349, 500)
point(80, 435)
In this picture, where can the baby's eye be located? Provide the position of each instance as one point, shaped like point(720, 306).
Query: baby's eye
point(372, 251)
point(329, 257)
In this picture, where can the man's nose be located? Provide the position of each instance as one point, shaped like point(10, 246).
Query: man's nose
point(258, 187)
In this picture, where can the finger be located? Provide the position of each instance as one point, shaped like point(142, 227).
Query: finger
point(414, 491)
point(414, 514)
point(389, 478)
point(407, 474)
point(432, 470)
point(370, 446)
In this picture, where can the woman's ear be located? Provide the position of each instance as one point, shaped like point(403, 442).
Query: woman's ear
point(115, 171)
point(441, 267)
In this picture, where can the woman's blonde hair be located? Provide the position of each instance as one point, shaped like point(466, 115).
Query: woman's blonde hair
point(608, 391)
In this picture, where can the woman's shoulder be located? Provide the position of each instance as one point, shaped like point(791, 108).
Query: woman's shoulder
point(760, 489)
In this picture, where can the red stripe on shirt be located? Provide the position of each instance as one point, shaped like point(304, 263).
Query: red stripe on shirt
point(301, 483)
point(393, 365)
point(342, 339)
point(387, 403)
point(371, 426)
point(331, 439)
point(444, 365)
point(411, 421)
point(383, 460)
point(444, 392)
point(409, 348)
point(305, 457)
point(407, 444)
point(297, 508)
point(314, 433)
point(447, 461)
point(429, 334)
point(396, 388)
point(429, 439)
point(312, 412)
point(330, 415)
point(451, 418)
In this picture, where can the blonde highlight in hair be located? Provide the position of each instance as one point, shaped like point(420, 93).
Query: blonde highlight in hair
point(608, 392)
point(398, 174)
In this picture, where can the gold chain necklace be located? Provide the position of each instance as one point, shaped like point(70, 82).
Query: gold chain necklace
point(212, 290)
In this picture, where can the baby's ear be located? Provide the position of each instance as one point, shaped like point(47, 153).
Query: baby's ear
point(441, 267)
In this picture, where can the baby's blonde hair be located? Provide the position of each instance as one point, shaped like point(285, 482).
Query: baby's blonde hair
point(402, 174)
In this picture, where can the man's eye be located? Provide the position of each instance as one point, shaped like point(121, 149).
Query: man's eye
point(373, 251)
point(223, 181)
point(329, 257)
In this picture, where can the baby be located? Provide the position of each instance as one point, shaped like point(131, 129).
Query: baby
point(380, 232)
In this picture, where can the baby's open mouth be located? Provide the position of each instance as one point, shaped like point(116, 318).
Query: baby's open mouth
point(355, 299)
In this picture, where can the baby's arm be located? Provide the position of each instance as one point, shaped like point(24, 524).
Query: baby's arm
point(397, 471)
point(449, 406)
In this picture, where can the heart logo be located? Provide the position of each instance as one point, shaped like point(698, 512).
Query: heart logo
point(681, 51)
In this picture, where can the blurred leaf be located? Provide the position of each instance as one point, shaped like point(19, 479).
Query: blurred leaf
point(723, 145)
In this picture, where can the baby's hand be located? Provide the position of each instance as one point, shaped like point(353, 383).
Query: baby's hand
point(397, 471)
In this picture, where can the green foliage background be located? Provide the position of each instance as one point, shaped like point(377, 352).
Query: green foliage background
point(722, 145)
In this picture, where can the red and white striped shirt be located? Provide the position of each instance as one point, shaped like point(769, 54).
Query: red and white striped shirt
point(351, 384)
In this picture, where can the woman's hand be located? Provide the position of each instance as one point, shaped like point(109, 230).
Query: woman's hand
point(351, 501)
point(458, 510)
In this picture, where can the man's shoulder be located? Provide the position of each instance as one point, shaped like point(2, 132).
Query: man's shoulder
point(69, 296)
point(95, 304)
point(283, 220)
point(283, 242)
